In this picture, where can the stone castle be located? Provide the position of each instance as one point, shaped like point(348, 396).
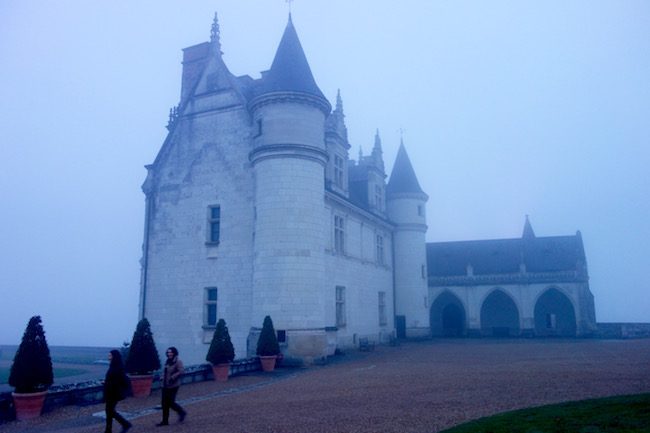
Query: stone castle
point(254, 208)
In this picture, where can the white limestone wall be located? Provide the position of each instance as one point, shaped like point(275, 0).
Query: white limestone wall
point(408, 212)
point(362, 276)
point(289, 161)
point(289, 239)
point(207, 164)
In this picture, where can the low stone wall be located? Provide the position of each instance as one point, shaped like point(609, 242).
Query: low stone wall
point(92, 391)
point(623, 330)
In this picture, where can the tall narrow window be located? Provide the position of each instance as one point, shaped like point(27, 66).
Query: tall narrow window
point(214, 224)
point(378, 197)
point(382, 308)
point(338, 171)
point(210, 310)
point(340, 306)
point(339, 234)
point(380, 249)
point(551, 321)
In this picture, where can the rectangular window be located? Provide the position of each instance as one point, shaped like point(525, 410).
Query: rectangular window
point(378, 197)
point(338, 171)
point(340, 306)
point(210, 311)
point(420, 210)
point(380, 249)
point(339, 234)
point(382, 309)
point(214, 223)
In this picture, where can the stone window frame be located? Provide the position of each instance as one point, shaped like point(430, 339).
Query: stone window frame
point(340, 306)
point(339, 170)
point(339, 234)
point(212, 222)
point(379, 195)
point(210, 309)
point(380, 253)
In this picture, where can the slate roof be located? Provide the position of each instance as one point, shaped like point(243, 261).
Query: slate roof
point(290, 71)
point(403, 178)
point(503, 256)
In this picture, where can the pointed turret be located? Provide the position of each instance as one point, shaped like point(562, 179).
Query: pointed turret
point(528, 230)
point(403, 178)
point(406, 206)
point(290, 71)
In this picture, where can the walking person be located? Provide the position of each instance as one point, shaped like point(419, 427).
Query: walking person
point(171, 382)
point(116, 385)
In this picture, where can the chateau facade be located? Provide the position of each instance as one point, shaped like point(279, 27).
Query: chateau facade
point(254, 208)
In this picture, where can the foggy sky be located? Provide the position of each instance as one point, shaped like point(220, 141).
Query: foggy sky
point(507, 108)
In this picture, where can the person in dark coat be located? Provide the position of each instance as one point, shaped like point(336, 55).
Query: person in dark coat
point(116, 385)
point(170, 384)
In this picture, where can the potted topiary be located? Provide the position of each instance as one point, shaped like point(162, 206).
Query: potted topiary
point(221, 352)
point(268, 348)
point(31, 372)
point(142, 360)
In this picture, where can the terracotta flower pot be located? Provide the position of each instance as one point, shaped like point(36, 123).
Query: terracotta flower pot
point(141, 385)
point(28, 405)
point(221, 371)
point(268, 362)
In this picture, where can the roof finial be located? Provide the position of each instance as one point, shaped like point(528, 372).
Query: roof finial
point(289, 2)
point(401, 136)
point(215, 33)
point(339, 101)
point(360, 153)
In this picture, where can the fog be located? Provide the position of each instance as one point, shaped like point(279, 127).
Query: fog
point(506, 109)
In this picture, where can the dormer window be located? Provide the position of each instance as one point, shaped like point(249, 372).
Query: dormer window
point(338, 171)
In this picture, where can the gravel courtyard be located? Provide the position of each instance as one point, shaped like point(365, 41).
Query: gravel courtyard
point(415, 387)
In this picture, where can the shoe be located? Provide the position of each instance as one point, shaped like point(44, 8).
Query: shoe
point(160, 424)
point(182, 416)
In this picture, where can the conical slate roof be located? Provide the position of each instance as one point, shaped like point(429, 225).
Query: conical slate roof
point(290, 71)
point(402, 178)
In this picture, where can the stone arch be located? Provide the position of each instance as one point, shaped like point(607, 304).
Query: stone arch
point(555, 314)
point(499, 315)
point(447, 316)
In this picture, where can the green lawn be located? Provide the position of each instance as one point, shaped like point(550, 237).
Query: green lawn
point(58, 373)
point(627, 414)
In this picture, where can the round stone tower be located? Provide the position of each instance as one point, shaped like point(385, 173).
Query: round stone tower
point(289, 159)
point(405, 204)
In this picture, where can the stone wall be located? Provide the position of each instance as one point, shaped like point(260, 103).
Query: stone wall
point(92, 392)
point(623, 330)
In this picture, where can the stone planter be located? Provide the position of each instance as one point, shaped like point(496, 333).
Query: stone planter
point(268, 362)
point(141, 385)
point(221, 372)
point(28, 405)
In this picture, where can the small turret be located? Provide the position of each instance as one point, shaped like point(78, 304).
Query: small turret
point(406, 208)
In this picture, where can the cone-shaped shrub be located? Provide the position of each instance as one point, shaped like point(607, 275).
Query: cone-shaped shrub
point(31, 370)
point(221, 350)
point(267, 344)
point(143, 356)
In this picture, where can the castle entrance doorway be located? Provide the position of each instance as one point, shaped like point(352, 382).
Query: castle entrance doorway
point(554, 315)
point(447, 316)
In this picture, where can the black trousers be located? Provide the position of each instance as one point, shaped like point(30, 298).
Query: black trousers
point(112, 413)
point(169, 402)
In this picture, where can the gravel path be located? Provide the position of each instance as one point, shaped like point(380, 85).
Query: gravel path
point(416, 387)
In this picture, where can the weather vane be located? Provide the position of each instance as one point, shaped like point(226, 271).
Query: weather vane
point(289, 3)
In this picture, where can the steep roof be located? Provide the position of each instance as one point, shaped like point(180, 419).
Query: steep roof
point(290, 71)
point(402, 178)
point(503, 256)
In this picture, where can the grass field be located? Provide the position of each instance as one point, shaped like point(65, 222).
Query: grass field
point(627, 414)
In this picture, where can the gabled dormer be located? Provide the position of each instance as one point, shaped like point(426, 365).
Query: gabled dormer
point(368, 179)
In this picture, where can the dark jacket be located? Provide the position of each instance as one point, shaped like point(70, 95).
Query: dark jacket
point(116, 384)
point(172, 374)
